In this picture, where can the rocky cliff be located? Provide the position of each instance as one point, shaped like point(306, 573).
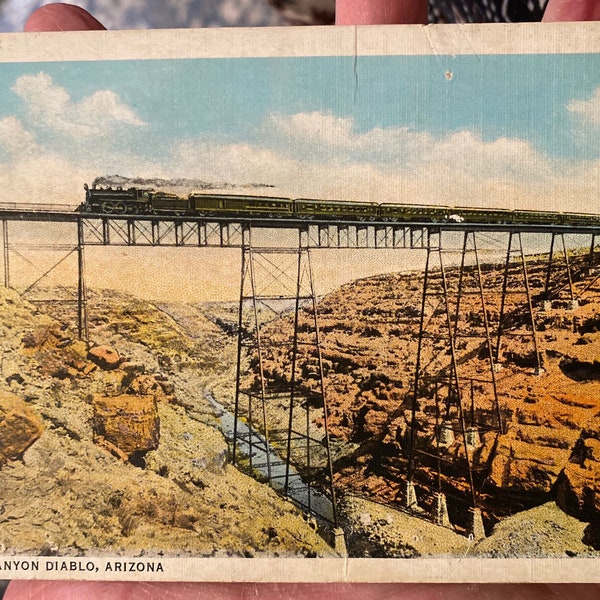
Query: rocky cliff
point(112, 448)
point(535, 443)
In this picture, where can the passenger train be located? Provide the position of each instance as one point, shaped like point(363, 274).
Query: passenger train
point(137, 201)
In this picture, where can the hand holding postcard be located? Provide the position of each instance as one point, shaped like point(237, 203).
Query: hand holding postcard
point(304, 304)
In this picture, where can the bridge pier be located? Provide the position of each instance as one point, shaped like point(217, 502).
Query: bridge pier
point(410, 497)
point(475, 527)
point(454, 309)
point(5, 253)
point(339, 542)
point(446, 434)
point(441, 510)
point(284, 376)
point(472, 437)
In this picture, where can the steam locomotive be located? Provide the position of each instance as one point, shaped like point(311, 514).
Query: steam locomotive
point(137, 201)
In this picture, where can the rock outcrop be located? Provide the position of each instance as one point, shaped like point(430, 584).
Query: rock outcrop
point(522, 449)
point(128, 425)
point(105, 357)
point(578, 485)
point(67, 495)
point(20, 427)
point(152, 385)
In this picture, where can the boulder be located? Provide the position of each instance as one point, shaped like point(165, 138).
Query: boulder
point(578, 486)
point(42, 336)
point(130, 424)
point(525, 468)
point(105, 357)
point(375, 422)
point(20, 427)
point(591, 535)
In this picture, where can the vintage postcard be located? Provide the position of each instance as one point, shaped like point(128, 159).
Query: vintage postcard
point(301, 304)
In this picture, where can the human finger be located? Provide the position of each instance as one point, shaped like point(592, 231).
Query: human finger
point(379, 12)
point(61, 17)
point(101, 590)
point(97, 590)
point(572, 10)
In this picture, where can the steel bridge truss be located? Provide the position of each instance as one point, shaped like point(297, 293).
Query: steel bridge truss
point(62, 255)
point(272, 380)
point(158, 231)
point(162, 232)
point(453, 326)
point(456, 411)
point(570, 277)
point(363, 235)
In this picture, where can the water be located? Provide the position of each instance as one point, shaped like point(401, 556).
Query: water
point(298, 491)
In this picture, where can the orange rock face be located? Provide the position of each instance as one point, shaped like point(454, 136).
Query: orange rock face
point(128, 425)
point(522, 447)
point(578, 486)
point(105, 357)
point(145, 385)
point(20, 427)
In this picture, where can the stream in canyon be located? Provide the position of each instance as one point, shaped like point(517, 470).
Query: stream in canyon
point(252, 443)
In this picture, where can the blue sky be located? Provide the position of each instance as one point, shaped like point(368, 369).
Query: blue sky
point(472, 122)
point(514, 95)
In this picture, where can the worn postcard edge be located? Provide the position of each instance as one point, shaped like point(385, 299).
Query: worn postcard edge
point(518, 38)
point(566, 38)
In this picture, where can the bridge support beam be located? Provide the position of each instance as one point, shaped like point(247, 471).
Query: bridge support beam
point(573, 276)
point(58, 293)
point(521, 265)
point(5, 253)
point(82, 320)
point(279, 373)
point(454, 310)
point(553, 291)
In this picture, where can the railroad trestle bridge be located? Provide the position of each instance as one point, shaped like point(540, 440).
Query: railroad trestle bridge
point(277, 280)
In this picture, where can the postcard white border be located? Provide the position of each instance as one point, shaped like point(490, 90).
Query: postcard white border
point(408, 40)
point(294, 570)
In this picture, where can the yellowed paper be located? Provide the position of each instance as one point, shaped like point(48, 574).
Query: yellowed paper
point(301, 304)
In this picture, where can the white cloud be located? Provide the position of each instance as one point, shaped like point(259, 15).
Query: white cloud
point(467, 155)
point(304, 155)
point(319, 136)
point(320, 155)
point(15, 139)
point(314, 127)
point(42, 180)
point(588, 110)
point(60, 144)
point(50, 106)
point(37, 168)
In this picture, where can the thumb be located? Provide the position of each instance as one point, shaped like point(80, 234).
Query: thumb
point(61, 17)
point(378, 12)
point(572, 10)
